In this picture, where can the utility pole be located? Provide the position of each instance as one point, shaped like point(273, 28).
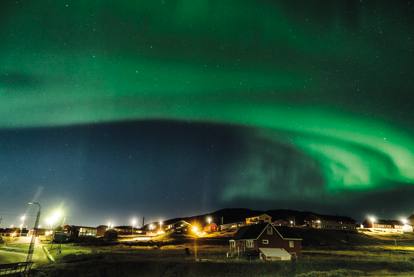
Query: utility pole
point(33, 240)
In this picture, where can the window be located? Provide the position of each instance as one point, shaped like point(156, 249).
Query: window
point(270, 230)
point(265, 241)
point(249, 244)
point(291, 244)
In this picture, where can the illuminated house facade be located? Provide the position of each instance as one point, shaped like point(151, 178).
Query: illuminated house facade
point(387, 225)
point(250, 239)
point(79, 231)
point(262, 218)
point(331, 223)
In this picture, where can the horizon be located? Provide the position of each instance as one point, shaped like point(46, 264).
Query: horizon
point(199, 105)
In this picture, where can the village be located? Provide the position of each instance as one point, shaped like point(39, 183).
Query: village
point(228, 235)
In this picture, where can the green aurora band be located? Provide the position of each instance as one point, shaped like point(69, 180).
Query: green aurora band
point(331, 78)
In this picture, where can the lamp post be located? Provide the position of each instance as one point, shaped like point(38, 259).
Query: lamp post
point(33, 239)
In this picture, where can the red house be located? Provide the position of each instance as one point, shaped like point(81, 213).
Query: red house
point(266, 241)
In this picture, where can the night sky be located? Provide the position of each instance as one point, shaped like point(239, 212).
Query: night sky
point(163, 108)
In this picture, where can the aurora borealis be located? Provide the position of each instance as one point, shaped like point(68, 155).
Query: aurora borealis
point(317, 96)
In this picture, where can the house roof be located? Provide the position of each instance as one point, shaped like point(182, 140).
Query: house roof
point(288, 232)
point(250, 232)
point(253, 232)
point(389, 222)
point(274, 252)
point(258, 214)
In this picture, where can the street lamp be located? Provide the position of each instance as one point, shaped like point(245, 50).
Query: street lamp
point(133, 224)
point(372, 219)
point(195, 230)
point(22, 219)
point(110, 225)
point(209, 219)
point(33, 239)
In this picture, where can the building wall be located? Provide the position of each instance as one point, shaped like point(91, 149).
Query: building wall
point(275, 241)
point(258, 219)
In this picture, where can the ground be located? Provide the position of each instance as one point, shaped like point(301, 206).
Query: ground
point(329, 254)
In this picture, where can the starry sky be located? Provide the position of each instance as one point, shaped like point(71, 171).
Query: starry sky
point(164, 108)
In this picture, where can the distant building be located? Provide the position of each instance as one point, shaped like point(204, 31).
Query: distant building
point(124, 230)
point(100, 230)
point(10, 232)
point(178, 227)
point(262, 218)
point(266, 241)
point(385, 225)
point(210, 228)
point(331, 222)
point(282, 222)
point(75, 232)
point(231, 226)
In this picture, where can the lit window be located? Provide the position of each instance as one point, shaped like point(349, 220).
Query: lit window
point(249, 243)
point(265, 241)
point(291, 244)
point(270, 230)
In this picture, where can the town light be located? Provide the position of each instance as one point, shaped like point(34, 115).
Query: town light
point(404, 221)
point(196, 230)
point(23, 218)
point(134, 222)
point(54, 217)
point(372, 219)
point(151, 227)
point(209, 219)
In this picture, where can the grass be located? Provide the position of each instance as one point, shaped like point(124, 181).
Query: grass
point(325, 254)
point(123, 260)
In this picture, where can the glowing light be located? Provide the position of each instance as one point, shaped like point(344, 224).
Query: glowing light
point(134, 222)
point(151, 227)
point(54, 217)
point(209, 219)
point(196, 230)
point(23, 218)
point(404, 220)
point(372, 219)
